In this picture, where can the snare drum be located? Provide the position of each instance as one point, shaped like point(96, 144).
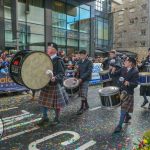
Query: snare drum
point(71, 85)
point(110, 96)
point(105, 77)
point(144, 78)
point(28, 68)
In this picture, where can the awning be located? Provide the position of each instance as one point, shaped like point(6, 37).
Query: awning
point(128, 53)
point(101, 51)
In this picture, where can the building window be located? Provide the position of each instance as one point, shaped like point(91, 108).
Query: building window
point(144, 19)
point(132, 10)
point(102, 5)
point(143, 32)
point(131, 21)
point(119, 44)
point(144, 6)
point(120, 24)
point(143, 43)
point(121, 13)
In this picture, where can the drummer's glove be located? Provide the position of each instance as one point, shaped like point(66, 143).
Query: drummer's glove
point(50, 73)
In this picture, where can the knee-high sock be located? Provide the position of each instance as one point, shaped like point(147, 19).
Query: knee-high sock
point(45, 110)
point(122, 117)
point(57, 113)
point(145, 98)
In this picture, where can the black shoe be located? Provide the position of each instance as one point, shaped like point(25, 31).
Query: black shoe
point(144, 103)
point(127, 118)
point(43, 121)
point(56, 121)
point(80, 111)
point(118, 129)
point(86, 108)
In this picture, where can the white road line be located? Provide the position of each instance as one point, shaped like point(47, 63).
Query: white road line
point(86, 145)
point(92, 109)
point(76, 136)
point(7, 119)
point(18, 119)
point(8, 109)
point(19, 133)
point(21, 124)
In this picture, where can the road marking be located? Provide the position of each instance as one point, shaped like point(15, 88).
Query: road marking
point(21, 124)
point(86, 145)
point(18, 119)
point(76, 136)
point(19, 133)
point(1, 128)
point(8, 109)
point(92, 109)
point(7, 119)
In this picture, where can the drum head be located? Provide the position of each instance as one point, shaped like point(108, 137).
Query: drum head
point(71, 83)
point(108, 91)
point(34, 69)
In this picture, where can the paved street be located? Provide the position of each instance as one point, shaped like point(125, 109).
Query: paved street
point(92, 130)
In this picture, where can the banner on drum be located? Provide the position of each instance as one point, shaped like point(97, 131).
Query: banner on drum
point(97, 68)
point(6, 84)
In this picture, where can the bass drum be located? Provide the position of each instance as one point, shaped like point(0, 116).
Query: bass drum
point(28, 68)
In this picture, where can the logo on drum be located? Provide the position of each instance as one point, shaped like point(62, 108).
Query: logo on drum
point(1, 128)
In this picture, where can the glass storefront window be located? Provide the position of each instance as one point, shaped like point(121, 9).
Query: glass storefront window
point(106, 30)
point(59, 32)
point(87, 7)
point(60, 41)
point(84, 20)
point(35, 40)
point(72, 42)
point(100, 29)
point(72, 18)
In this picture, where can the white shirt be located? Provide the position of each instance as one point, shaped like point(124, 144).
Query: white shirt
point(53, 56)
point(128, 69)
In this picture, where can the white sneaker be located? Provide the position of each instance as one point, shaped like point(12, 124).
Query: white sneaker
point(24, 93)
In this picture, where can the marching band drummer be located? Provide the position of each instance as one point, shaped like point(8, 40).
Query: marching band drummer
point(84, 67)
point(51, 97)
point(128, 77)
point(145, 89)
point(112, 61)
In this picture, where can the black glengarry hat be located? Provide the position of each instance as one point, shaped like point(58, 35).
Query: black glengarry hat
point(54, 45)
point(132, 59)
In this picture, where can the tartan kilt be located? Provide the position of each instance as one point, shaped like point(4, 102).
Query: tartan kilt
point(144, 90)
point(83, 89)
point(52, 96)
point(127, 104)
